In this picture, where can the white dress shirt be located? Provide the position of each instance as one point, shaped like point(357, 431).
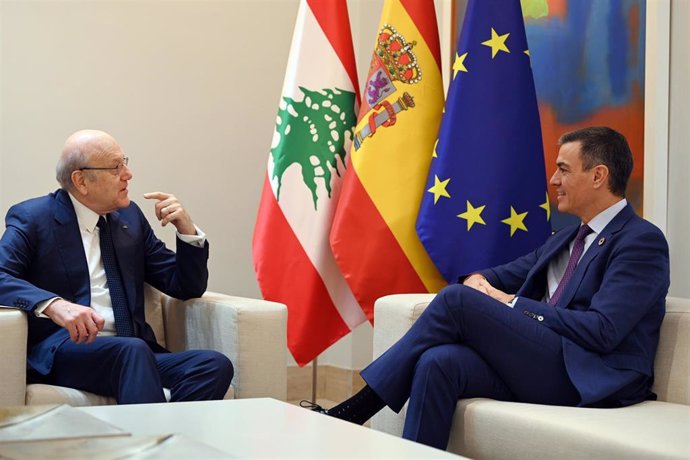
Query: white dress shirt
point(557, 266)
point(100, 295)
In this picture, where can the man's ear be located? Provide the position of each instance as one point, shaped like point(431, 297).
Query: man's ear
point(79, 181)
point(600, 176)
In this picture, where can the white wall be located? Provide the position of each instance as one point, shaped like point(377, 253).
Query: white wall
point(190, 89)
point(679, 146)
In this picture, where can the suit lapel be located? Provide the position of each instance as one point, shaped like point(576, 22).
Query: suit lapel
point(124, 251)
point(593, 251)
point(71, 249)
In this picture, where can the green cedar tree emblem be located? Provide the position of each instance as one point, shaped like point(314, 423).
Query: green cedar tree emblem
point(312, 134)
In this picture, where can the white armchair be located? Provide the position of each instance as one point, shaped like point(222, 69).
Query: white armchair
point(485, 428)
point(251, 332)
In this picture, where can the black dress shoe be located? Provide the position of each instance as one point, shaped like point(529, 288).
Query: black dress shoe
point(313, 406)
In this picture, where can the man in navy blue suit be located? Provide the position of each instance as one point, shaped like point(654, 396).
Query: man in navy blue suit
point(574, 323)
point(76, 262)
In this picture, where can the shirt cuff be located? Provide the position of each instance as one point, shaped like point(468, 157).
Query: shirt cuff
point(512, 302)
point(41, 306)
point(198, 240)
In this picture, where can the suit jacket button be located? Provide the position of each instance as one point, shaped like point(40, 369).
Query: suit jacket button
point(540, 318)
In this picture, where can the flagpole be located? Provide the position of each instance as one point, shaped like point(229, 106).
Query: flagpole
point(314, 378)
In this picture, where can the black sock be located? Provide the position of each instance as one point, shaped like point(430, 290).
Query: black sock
point(359, 408)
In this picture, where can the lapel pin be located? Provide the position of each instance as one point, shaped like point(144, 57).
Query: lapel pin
point(602, 240)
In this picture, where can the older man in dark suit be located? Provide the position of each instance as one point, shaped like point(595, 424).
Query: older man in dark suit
point(76, 261)
point(574, 323)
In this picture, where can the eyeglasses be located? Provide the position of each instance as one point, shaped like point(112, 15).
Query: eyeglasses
point(117, 169)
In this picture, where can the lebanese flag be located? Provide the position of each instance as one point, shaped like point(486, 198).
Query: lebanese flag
point(292, 256)
point(373, 235)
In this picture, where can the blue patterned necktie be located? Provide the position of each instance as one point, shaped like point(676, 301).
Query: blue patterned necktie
point(123, 320)
point(578, 249)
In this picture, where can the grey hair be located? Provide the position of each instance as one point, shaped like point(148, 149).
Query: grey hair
point(70, 161)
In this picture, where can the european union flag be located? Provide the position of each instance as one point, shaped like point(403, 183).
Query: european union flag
point(486, 201)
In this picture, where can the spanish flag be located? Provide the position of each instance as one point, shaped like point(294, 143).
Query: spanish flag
point(373, 234)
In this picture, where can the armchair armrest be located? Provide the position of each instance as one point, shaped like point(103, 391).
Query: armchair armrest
point(394, 315)
point(251, 332)
point(13, 332)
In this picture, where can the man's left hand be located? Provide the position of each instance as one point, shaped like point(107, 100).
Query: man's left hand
point(495, 293)
point(169, 210)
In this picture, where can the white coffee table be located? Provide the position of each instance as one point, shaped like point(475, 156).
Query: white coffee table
point(263, 428)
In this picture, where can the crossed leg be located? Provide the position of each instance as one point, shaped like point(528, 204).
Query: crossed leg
point(467, 344)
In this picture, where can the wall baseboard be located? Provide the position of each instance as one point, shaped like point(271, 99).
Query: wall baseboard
point(333, 383)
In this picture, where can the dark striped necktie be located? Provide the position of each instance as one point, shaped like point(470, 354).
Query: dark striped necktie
point(123, 320)
point(578, 249)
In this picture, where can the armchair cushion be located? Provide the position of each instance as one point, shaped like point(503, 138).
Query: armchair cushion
point(38, 394)
point(154, 313)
